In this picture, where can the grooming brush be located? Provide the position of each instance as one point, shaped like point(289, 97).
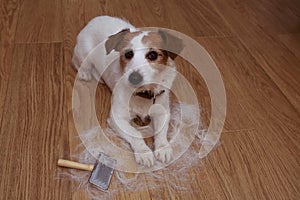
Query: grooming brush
point(102, 170)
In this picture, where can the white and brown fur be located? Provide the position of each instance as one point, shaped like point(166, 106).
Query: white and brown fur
point(158, 75)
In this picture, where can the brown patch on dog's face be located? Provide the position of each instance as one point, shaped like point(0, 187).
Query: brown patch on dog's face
point(161, 42)
point(121, 42)
point(153, 39)
point(155, 54)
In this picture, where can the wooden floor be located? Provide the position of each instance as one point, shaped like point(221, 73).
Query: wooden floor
point(255, 44)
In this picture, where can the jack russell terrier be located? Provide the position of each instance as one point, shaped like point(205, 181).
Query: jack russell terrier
point(143, 66)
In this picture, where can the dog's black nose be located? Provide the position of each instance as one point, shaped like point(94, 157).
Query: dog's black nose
point(135, 78)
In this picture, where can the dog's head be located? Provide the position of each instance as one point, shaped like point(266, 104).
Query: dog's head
point(144, 58)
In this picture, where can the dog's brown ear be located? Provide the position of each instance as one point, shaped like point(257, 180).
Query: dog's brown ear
point(114, 41)
point(172, 44)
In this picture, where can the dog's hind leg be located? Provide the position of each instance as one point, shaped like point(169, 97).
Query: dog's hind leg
point(85, 71)
point(84, 67)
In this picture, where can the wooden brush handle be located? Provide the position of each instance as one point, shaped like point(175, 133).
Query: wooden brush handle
point(75, 165)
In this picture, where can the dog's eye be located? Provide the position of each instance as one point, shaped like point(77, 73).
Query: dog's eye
point(152, 55)
point(129, 54)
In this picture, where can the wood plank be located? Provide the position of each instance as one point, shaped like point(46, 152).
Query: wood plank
point(199, 16)
point(278, 16)
point(234, 120)
point(97, 8)
point(148, 13)
point(247, 166)
point(34, 131)
point(189, 183)
point(228, 57)
point(280, 64)
point(292, 42)
point(40, 22)
point(192, 76)
point(276, 60)
point(73, 21)
point(9, 11)
point(261, 99)
point(6, 53)
point(273, 17)
point(200, 20)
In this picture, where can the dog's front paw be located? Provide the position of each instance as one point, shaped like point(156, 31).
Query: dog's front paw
point(146, 159)
point(84, 75)
point(164, 153)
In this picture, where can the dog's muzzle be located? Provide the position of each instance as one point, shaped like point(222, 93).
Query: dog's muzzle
point(135, 78)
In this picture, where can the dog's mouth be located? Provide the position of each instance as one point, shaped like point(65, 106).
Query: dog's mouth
point(150, 91)
point(146, 91)
point(148, 94)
